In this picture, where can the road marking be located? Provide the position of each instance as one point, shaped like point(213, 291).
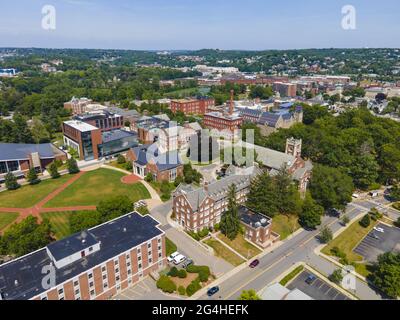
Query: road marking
point(315, 233)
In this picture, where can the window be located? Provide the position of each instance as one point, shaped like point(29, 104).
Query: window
point(139, 258)
point(150, 260)
point(92, 292)
point(117, 278)
point(13, 165)
point(116, 270)
point(104, 277)
point(91, 284)
point(128, 264)
point(76, 283)
point(103, 268)
point(77, 291)
point(60, 291)
point(140, 266)
point(90, 275)
point(3, 167)
point(149, 245)
point(44, 298)
point(90, 249)
point(129, 271)
point(116, 262)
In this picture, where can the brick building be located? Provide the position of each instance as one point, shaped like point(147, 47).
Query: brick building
point(221, 121)
point(18, 158)
point(285, 89)
point(104, 120)
point(258, 228)
point(192, 106)
point(77, 105)
point(91, 265)
point(162, 166)
point(198, 208)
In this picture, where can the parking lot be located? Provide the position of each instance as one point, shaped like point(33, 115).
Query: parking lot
point(318, 289)
point(376, 243)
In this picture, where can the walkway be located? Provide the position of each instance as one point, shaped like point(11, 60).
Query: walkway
point(39, 207)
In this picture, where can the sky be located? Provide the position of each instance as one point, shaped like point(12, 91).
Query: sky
point(199, 24)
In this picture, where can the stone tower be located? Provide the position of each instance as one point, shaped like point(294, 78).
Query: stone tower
point(293, 147)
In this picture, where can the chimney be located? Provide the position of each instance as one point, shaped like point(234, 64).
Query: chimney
point(231, 107)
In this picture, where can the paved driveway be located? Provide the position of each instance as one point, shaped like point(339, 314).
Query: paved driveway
point(144, 290)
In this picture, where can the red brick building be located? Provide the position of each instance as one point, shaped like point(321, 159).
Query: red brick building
point(18, 158)
point(192, 106)
point(221, 121)
point(285, 89)
point(95, 264)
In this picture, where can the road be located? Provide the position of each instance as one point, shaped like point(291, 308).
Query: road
point(299, 248)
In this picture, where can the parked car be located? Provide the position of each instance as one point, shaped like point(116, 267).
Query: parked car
point(381, 230)
point(375, 236)
point(374, 194)
point(254, 263)
point(187, 263)
point(172, 256)
point(212, 291)
point(179, 258)
point(310, 279)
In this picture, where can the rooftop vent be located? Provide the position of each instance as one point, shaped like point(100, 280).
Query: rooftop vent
point(16, 283)
point(263, 220)
point(124, 229)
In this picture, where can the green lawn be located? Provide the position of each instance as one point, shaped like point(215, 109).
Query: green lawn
point(285, 225)
point(221, 251)
point(60, 222)
point(6, 218)
point(240, 245)
point(94, 186)
point(27, 196)
point(170, 246)
point(291, 275)
point(347, 241)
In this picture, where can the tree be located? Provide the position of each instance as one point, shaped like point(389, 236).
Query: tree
point(395, 193)
point(32, 177)
point(386, 274)
point(121, 159)
point(364, 171)
point(262, 197)
point(53, 170)
point(311, 213)
point(336, 276)
point(39, 131)
point(83, 220)
point(149, 177)
point(11, 182)
point(249, 295)
point(330, 187)
point(288, 197)
point(345, 220)
point(72, 166)
point(326, 235)
point(390, 162)
point(230, 222)
point(365, 221)
point(25, 237)
point(114, 207)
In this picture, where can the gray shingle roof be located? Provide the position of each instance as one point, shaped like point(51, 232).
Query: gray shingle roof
point(21, 151)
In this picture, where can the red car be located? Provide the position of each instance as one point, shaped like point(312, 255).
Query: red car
point(254, 263)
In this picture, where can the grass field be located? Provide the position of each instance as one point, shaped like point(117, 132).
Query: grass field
point(94, 186)
point(27, 196)
point(170, 246)
point(6, 218)
point(239, 244)
point(221, 251)
point(348, 240)
point(291, 275)
point(59, 222)
point(285, 225)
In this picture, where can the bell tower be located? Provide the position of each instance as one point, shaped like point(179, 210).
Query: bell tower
point(293, 147)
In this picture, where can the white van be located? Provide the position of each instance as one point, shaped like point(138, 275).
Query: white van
point(179, 258)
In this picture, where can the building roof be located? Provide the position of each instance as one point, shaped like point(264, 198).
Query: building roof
point(80, 126)
point(217, 190)
point(273, 159)
point(22, 278)
point(123, 112)
point(252, 218)
point(21, 151)
point(269, 118)
point(278, 292)
point(116, 134)
point(164, 161)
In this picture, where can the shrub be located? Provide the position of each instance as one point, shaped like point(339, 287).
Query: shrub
point(53, 170)
point(204, 232)
point(182, 274)
point(11, 181)
point(32, 177)
point(216, 227)
point(194, 235)
point(203, 275)
point(193, 287)
point(166, 284)
point(121, 159)
point(128, 166)
point(149, 177)
point(173, 272)
point(396, 205)
point(182, 290)
point(365, 221)
point(72, 166)
point(336, 276)
point(338, 253)
point(375, 214)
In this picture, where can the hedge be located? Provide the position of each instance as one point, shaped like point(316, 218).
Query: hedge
point(182, 274)
point(166, 284)
point(193, 287)
point(203, 271)
point(173, 272)
point(182, 290)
